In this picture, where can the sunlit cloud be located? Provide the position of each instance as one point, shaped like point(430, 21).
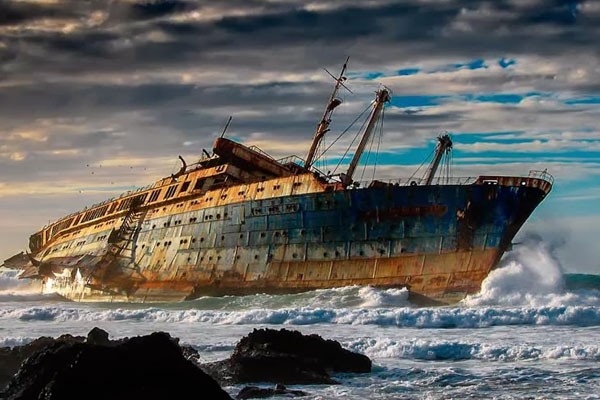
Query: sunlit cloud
point(99, 97)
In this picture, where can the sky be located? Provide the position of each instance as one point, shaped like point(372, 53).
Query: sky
point(98, 97)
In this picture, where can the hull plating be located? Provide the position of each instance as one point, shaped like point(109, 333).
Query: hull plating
point(438, 241)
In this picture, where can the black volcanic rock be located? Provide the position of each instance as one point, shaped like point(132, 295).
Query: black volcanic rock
point(12, 358)
point(98, 336)
point(255, 392)
point(287, 357)
point(146, 367)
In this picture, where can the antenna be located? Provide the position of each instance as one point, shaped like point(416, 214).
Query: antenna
point(340, 80)
point(323, 126)
point(226, 126)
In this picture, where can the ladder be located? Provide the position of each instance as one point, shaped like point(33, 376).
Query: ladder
point(120, 242)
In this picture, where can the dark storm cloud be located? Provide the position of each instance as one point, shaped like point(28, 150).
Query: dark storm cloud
point(155, 9)
point(560, 12)
point(44, 100)
point(297, 38)
point(71, 73)
point(87, 44)
point(14, 12)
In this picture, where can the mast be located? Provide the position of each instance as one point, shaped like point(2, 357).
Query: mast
point(382, 97)
point(323, 126)
point(444, 146)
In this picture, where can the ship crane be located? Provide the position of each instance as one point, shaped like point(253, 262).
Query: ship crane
point(382, 97)
point(444, 146)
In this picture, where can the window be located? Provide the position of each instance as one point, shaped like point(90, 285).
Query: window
point(199, 184)
point(154, 195)
point(184, 187)
point(124, 204)
point(113, 206)
point(170, 192)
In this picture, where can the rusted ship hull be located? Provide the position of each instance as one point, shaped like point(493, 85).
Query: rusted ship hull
point(439, 241)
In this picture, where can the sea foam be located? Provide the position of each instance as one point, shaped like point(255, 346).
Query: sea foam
point(456, 350)
point(530, 276)
point(424, 318)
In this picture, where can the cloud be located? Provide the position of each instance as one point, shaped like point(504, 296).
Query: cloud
point(18, 12)
point(130, 85)
point(545, 146)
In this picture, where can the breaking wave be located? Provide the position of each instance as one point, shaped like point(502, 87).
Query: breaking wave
point(424, 318)
point(532, 276)
point(455, 350)
point(343, 297)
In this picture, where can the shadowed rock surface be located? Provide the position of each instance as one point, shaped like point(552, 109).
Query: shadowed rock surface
point(287, 357)
point(145, 367)
point(12, 358)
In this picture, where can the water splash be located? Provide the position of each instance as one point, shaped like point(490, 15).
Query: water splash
point(13, 289)
point(530, 276)
point(373, 297)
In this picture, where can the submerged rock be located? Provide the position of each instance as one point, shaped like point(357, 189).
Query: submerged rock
point(255, 392)
point(145, 367)
point(288, 357)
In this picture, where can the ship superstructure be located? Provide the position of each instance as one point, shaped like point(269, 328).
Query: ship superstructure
point(239, 222)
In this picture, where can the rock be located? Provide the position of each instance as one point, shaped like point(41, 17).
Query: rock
point(255, 392)
point(12, 358)
point(288, 357)
point(98, 336)
point(146, 367)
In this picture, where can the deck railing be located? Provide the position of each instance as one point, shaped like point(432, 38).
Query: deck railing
point(463, 180)
point(544, 175)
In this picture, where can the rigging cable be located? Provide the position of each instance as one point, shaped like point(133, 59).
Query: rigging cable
point(351, 143)
point(344, 132)
point(378, 142)
point(426, 158)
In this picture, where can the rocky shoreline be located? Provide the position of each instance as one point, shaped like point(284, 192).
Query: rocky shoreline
point(156, 366)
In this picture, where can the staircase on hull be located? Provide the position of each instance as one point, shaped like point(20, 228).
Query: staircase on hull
point(117, 271)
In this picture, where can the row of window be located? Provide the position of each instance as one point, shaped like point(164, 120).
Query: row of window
point(117, 206)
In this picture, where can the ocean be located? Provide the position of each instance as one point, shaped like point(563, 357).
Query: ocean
point(531, 333)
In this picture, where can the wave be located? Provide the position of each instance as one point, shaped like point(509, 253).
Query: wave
point(12, 297)
point(455, 350)
point(532, 276)
point(582, 281)
point(343, 297)
point(15, 341)
point(14, 289)
point(425, 318)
